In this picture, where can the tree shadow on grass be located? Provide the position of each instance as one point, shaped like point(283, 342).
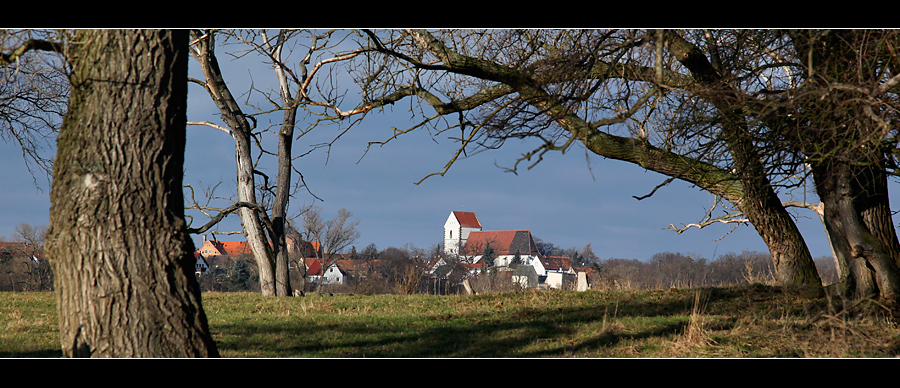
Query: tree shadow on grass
point(55, 353)
point(532, 332)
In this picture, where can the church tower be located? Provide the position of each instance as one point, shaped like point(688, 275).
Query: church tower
point(457, 229)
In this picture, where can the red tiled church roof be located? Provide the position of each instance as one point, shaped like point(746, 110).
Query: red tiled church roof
point(504, 242)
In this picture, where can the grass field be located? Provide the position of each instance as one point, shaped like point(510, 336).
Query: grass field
point(735, 322)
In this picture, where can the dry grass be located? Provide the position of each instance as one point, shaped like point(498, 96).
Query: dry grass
point(696, 332)
point(754, 321)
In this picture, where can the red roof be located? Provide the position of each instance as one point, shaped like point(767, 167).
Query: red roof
point(314, 266)
point(504, 242)
point(467, 219)
point(473, 266)
point(562, 263)
point(233, 248)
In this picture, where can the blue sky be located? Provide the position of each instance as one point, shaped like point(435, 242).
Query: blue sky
point(566, 199)
point(569, 200)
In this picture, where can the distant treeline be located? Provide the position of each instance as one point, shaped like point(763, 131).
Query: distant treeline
point(667, 270)
point(662, 271)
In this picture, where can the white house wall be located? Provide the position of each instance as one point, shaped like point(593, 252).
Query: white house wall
point(506, 260)
point(334, 276)
point(554, 280)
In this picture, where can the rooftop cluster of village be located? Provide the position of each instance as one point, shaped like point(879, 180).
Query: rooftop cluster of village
point(469, 251)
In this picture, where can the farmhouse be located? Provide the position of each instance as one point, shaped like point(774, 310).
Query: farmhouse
point(332, 273)
point(558, 271)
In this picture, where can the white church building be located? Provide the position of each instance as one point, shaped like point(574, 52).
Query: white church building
point(465, 237)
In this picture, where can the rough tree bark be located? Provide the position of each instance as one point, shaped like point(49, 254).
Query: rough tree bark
point(841, 123)
point(122, 257)
point(860, 247)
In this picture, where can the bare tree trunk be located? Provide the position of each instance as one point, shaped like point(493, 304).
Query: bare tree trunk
point(871, 270)
point(279, 207)
point(246, 182)
point(874, 206)
point(837, 135)
point(250, 218)
point(759, 202)
point(282, 194)
point(122, 257)
point(790, 256)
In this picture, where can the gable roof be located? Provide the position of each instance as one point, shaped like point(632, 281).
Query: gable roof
point(228, 248)
point(200, 259)
point(504, 242)
point(557, 263)
point(314, 266)
point(467, 219)
point(233, 248)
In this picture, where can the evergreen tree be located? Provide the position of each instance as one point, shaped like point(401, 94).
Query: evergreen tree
point(517, 259)
point(488, 256)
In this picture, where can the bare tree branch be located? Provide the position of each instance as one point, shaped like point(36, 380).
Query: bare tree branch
point(221, 215)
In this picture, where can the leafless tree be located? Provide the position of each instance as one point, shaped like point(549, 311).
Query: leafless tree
point(606, 90)
point(334, 234)
point(32, 236)
point(34, 92)
point(742, 114)
point(262, 203)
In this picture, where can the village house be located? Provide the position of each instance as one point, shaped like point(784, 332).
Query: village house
point(201, 265)
point(335, 271)
point(515, 255)
point(233, 249)
point(210, 248)
point(20, 249)
point(558, 272)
